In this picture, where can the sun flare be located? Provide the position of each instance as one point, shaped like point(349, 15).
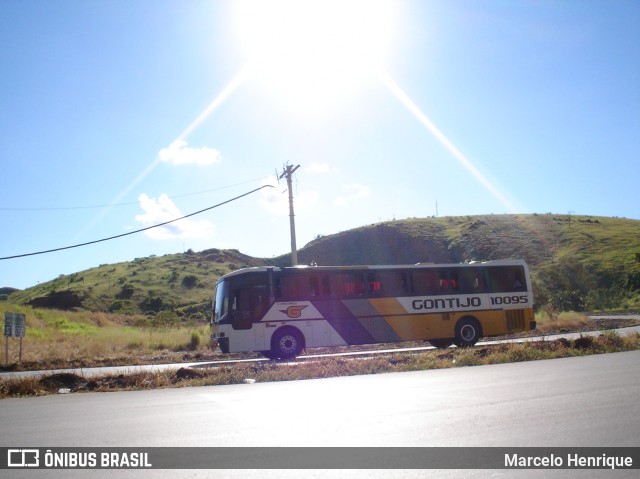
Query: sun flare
point(311, 54)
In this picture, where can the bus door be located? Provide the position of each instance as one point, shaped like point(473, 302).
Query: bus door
point(249, 299)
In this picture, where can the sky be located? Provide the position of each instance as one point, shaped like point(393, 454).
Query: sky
point(119, 115)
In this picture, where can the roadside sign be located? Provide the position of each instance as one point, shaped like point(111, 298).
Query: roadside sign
point(14, 325)
point(8, 326)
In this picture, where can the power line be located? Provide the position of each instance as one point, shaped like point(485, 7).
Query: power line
point(57, 208)
point(136, 231)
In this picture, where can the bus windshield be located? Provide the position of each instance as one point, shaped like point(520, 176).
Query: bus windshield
point(221, 303)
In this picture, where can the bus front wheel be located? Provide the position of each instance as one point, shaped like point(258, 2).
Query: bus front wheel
point(287, 343)
point(468, 333)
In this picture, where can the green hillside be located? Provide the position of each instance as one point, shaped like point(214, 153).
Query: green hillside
point(539, 239)
point(182, 282)
point(577, 262)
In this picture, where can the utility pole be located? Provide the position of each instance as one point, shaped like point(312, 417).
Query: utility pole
point(287, 172)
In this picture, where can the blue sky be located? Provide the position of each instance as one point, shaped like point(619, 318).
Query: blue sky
point(117, 115)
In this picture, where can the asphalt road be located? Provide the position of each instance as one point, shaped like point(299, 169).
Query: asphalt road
point(585, 401)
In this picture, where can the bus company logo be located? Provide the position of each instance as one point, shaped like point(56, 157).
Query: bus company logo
point(294, 312)
point(23, 458)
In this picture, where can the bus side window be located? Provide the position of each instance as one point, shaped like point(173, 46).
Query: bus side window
point(471, 281)
point(348, 284)
point(425, 282)
point(444, 282)
point(294, 286)
point(388, 284)
point(518, 282)
point(506, 279)
point(404, 284)
point(314, 286)
point(277, 287)
point(374, 284)
point(453, 280)
point(358, 284)
point(326, 286)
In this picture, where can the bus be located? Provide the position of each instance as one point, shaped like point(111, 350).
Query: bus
point(281, 311)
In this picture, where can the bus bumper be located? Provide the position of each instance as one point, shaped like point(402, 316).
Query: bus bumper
point(532, 325)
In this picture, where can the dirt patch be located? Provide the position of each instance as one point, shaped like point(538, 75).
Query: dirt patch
point(184, 373)
point(63, 381)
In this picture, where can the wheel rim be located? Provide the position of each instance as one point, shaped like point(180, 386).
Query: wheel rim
point(468, 332)
point(288, 343)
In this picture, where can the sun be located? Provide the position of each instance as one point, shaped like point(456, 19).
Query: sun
point(311, 54)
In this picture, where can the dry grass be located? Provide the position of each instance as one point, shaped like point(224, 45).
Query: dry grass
point(326, 367)
point(56, 339)
point(110, 344)
point(549, 321)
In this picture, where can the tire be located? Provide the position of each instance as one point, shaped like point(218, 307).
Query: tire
point(441, 343)
point(468, 332)
point(287, 343)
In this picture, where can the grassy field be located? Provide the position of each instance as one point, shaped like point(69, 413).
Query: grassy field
point(57, 339)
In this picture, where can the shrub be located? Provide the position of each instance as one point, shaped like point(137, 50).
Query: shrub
point(163, 320)
point(583, 342)
point(126, 292)
point(190, 281)
point(195, 341)
point(155, 304)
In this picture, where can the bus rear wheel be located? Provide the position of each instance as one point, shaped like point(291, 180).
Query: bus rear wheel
point(468, 333)
point(287, 343)
point(441, 343)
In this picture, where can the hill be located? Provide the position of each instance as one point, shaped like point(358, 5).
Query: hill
point(577, 262)
point(7, 291)
point(182, 282)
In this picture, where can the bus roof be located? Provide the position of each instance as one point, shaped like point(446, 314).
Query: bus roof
point(257, 269)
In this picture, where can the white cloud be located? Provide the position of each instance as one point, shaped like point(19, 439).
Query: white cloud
point(178, 153)
point(354, 191)
point(162, 209)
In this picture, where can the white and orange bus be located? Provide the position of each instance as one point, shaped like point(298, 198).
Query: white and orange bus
point(281, 311)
